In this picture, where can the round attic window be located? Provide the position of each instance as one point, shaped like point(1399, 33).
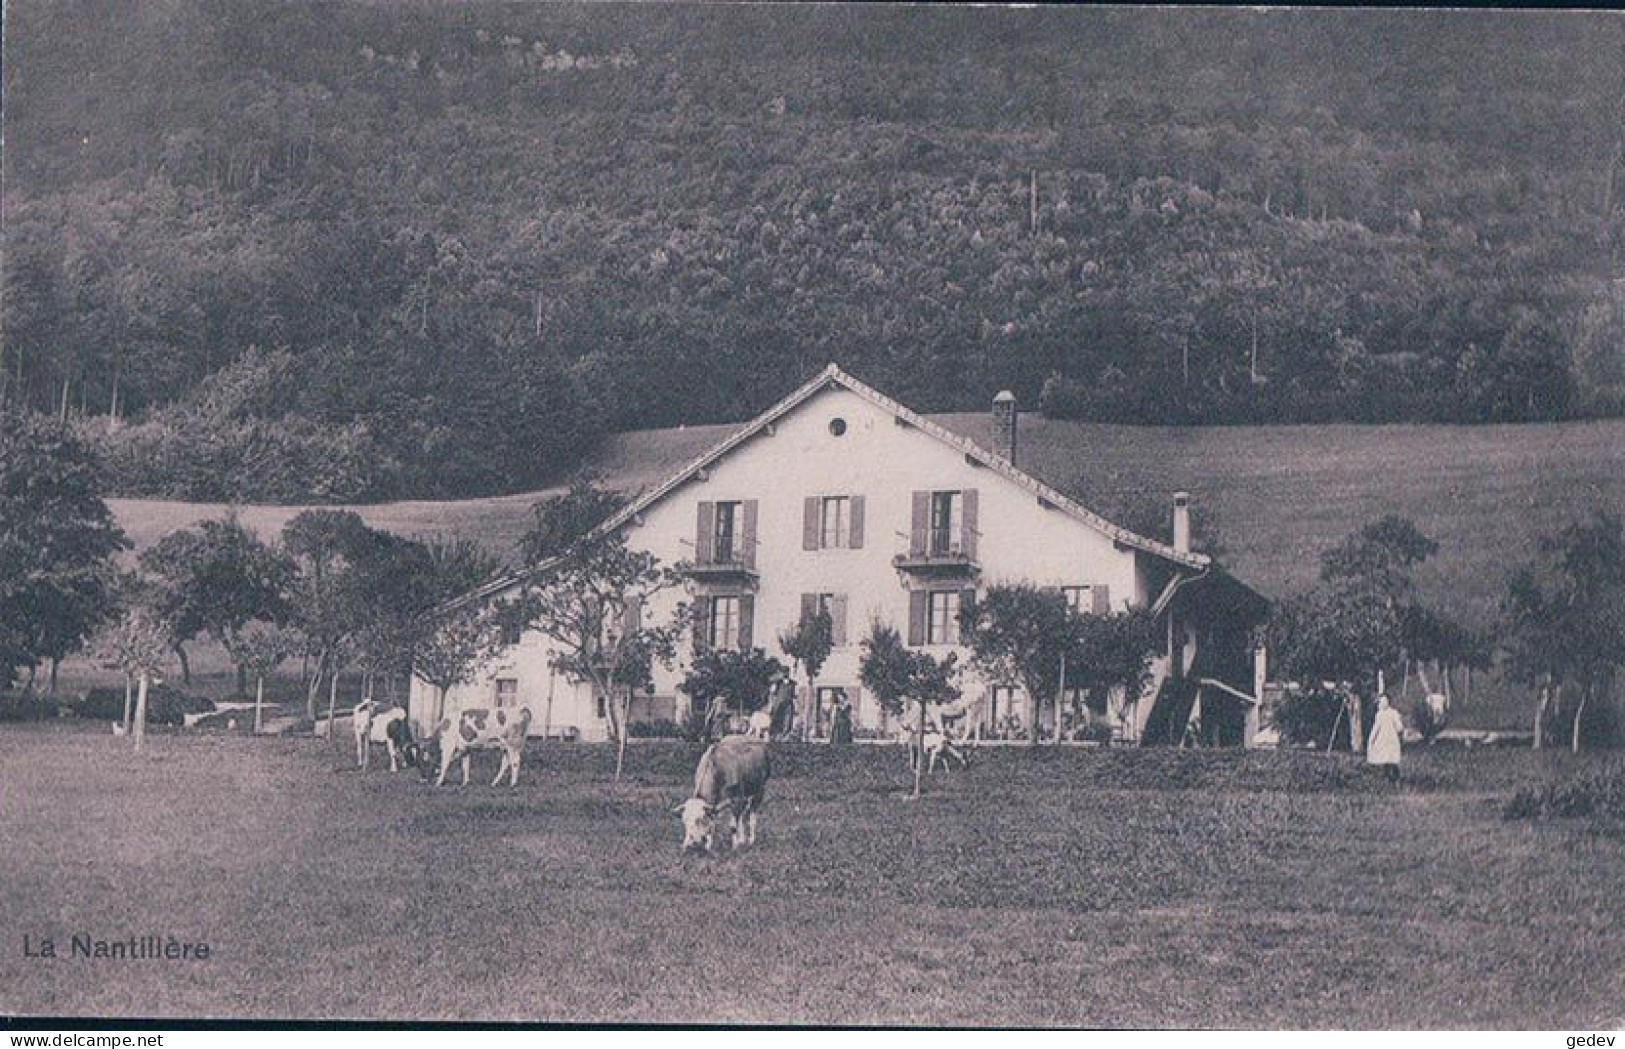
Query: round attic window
point(837, 426)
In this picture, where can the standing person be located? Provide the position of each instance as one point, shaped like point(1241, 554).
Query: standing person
point(1382, 747)
point(840, 725)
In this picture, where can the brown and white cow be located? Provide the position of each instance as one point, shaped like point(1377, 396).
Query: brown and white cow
point(730, 778)
point(387, 725)
point(479, 729)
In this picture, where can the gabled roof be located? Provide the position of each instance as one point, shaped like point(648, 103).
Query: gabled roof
point(834, 377)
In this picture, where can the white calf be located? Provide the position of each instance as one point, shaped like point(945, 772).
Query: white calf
point(386, 725)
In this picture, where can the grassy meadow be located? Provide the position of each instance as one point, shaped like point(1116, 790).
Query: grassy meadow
point(1098, 888)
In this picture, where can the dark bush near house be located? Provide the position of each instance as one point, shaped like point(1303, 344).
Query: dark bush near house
point(25, 706)
point(165, 705)
point(1597, 792)
point(661, 728)
point(1308, 715)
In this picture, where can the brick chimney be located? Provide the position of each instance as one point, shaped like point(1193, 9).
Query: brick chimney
point(1004, 425)
point(1182, 522)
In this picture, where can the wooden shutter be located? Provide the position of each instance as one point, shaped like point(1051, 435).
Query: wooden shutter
point(809, 607)
point(917, 541)
point(855, 523)
point(748, 546)
point(701, 615)
point(837, 615)
point(811, 522)
point(1100, 599)
point(967, 542)
point(919, 609)
point(747, 613)
point(632, 615)
point(967, 607)
point(705, 534)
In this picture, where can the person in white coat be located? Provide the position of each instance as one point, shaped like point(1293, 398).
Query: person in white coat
point(1382, 747)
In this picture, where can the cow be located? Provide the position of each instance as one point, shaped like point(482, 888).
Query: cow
point(479, 729)
point(730, 778)
point(386, 725)
point(936, 745)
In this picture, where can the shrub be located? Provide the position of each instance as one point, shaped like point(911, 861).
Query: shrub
point(26, 706)
point(165, 705)
point(1597, 792)
point(1306, 715)
point(661, 728)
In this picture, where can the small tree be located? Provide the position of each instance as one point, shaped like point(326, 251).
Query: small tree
point(259, 648)
point(136, 643)
point(1021, 632)
point(451, 653)
point(1362, 617)
point(564, 520)
point(591, 605)
point(214, 580)
point(743, 678)
point(1564, 616)
point(1112, 652)
point(897, 674)
point(808, 644)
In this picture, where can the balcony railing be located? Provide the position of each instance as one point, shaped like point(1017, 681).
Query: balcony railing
point(725, 561)
point(940, 550)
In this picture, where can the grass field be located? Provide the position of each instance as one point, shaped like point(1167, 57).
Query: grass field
point(1099, 888)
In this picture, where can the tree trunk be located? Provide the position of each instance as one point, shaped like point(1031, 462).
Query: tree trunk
point(1540, 713)
point(129, 698)
point(141, 710)
point(919, 751)
point(56, 662)
point(259, 703)
point(242, 679)
point(186, 664)
point(332, 700)
point(1579, 717)
point(1032, 716)
point(620, 747)
point(313, 686)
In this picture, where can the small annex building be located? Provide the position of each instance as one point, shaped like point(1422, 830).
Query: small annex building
point(840, 497)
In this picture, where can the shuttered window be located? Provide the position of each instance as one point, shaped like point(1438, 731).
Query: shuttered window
point(725, 534)
point(1094, 599)
point(942, 624)
point(834, 522)
point(507, 694)
point(723, 630)
point(833, 604)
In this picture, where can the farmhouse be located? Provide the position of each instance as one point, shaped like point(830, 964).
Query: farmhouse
point(840, 498)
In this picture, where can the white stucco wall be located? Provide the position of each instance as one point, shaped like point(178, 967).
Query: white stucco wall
point(877, 458)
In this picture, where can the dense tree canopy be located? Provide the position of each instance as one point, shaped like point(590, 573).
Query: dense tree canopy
point(58, 540)
point(472, 238)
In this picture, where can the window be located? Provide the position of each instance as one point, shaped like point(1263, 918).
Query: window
point(507, 692)
point(947, 520)
point(942, 622)
point(1077, 598)
point(835, 522)
point(837, 426)
point(725, 543)
point(723, 632)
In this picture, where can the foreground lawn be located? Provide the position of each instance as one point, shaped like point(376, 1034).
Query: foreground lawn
point(1120, 888)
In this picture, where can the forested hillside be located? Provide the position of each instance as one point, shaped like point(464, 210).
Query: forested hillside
point(366, 250)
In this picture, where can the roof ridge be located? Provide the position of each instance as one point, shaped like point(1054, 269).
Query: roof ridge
point(833, 373)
